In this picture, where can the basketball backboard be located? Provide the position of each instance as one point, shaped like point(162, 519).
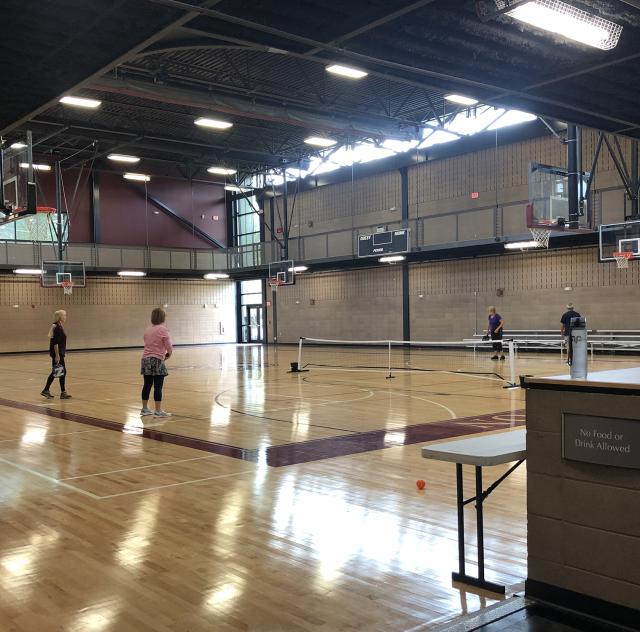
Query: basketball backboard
point(57, 273)
point(622, 237)
point(283, 271)
point(549, 197)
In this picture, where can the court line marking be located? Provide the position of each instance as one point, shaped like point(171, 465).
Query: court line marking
point(51, 479)
point(150, 489)
point(139, 467)
point(59, 434)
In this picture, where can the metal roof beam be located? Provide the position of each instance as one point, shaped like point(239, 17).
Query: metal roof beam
point(379, 127)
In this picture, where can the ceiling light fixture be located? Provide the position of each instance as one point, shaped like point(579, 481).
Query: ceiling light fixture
point(564, 19)
point(33, 271)
point(392, 259)
point(25, 165)
point(521, 245)
point(221, 171)
point(18, 145)
point(123, 158)
point(214, 276)
point(81, 102)
point(236, 189)
point(132, 273)
point(318, 141)
point(460, 99)
point(298, 269)
point(346, 71)
point(138, 177)
point(213, 123)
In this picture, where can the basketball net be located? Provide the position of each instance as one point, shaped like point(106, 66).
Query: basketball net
point(275, 284)
point(622, 259)
point(67, 286)
point(541, 236)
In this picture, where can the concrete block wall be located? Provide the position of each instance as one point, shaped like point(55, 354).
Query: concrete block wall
point(349, 305)
point(114, 312)
point(440, 192)
point(449, 299)
point(583, 527)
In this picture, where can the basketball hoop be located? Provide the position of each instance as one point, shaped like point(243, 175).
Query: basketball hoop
point(67, 286)
point(622, 259)
point(541, 236)
point(275, 283)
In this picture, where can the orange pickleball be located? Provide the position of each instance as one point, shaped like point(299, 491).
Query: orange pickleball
point(420, 484)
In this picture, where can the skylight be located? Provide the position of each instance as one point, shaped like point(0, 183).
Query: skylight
point(466, 123)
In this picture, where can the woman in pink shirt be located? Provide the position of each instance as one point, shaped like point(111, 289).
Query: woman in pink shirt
point(157, 349)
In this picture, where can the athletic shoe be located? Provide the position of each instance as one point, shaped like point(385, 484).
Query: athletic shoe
point(495, 357)
point(502, 357)
point(65, 395)
point(161, 413)
point(46, 394)
point(146, 411)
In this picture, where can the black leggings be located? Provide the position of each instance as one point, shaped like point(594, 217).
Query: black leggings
point(156, 381)
point(497, 335)
point(51, 377)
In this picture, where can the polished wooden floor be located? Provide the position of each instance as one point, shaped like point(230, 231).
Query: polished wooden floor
point(269, 501)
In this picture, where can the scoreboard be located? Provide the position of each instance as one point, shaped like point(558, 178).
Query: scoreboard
point(383, 243)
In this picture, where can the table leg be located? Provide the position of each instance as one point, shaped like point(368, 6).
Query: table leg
point(460, 503)
point(461, 575)
point(479, 523)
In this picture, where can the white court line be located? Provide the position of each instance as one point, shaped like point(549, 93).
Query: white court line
point(61, 434)
point(150, 489)
point(50, 479)
point(140, 467)
point(430, 401)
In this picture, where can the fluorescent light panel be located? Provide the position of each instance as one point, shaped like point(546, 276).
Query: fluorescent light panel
point(81, 102)
point(221, 171)
point(25, 165)
point(568, 21)
point(132, 273)
point(139, 177)
point(213, 276)
point(520, 245)
point(392, 259)
point(460, 99)
point(318, 141)
point(346, 71)
point(123, 158)
point(213, 123)
point(33, 271)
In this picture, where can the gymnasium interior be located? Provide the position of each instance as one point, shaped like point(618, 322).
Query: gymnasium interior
point(394, 244)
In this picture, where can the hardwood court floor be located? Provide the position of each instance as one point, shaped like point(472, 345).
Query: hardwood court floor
point(268, 502)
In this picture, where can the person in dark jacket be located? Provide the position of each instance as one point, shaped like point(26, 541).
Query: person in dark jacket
point(57, 351)
point(566, 329)
point(495, 330)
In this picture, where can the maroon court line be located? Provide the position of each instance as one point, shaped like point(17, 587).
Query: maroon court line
point(305, 451)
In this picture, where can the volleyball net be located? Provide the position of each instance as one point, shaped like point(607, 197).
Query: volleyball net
point(401, 356)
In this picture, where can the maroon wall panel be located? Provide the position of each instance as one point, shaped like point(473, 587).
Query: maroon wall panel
point(128, 220)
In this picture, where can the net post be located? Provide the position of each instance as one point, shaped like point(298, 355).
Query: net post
point(296, 366)
point(389, 377)
point(512, 365)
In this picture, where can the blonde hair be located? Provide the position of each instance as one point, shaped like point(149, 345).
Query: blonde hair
point(57, 317)
point(492, 308)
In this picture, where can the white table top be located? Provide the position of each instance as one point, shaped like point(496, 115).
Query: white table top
point(492, 449)
point(616, 378)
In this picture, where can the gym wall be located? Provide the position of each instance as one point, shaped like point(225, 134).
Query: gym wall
point(448, 300)
point(440, 191)
point(114, 312)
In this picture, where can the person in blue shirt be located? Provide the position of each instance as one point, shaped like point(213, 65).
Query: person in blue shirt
point(495, 330)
